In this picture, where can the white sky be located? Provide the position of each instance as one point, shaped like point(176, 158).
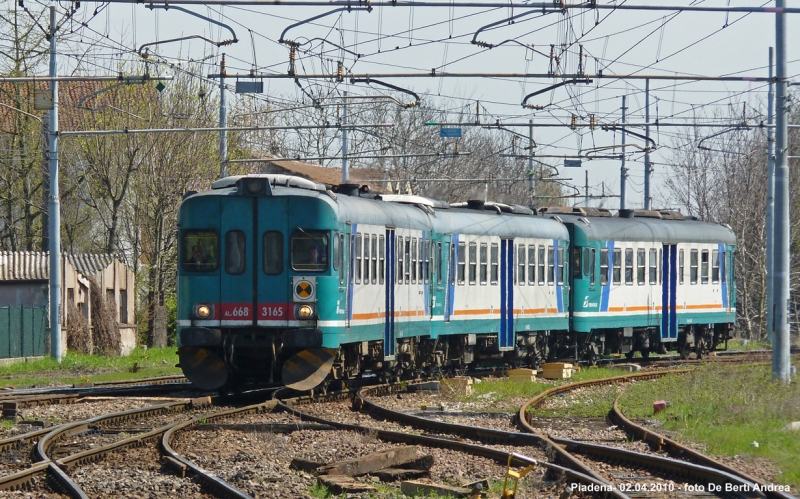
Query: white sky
point(402, 39)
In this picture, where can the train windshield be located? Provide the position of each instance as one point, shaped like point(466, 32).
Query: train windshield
point(310, 251)
point(200, 250)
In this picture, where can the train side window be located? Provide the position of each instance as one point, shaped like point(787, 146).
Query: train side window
point(359, 257)
point(603, 266)
point(413, 263)
point(541, 265)
point(367, 258)
point(617, 272)
point(551, 269)
point(473, 262)
point(382, 258)
point(653, 272)
point(309, 250)
point(532, 265)
point(439, 263)
point(340, 259)
point(409, 262)
point(422, 255)
point(200, 250)
point(337, 252)
point(398, 251)
point(430, 259)
point(495, 261)
point(561, 266)
point(693, 267)
point(681, 266)
point(660, 260)
point(521, 264)
point(586, 262)
point(484, 263)
point(640, 265)
point(273, 252)
point(576, 262)
point(462, 262)
point(715, 266)
point(628, 266)
point(704, 267)
point(235, 252)
point(374, 271)
point(375, 259)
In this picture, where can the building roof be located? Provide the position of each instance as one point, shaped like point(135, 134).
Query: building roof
point(324, 175)
point(89, 264)
point(35, 265)
point(24, 265)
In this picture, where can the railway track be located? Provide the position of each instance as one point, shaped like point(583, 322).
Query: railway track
point(691, 469)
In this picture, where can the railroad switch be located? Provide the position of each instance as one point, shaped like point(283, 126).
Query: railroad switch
point(513, 476)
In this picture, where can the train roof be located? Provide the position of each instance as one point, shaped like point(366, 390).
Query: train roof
point(647, 229)
point(410, 211)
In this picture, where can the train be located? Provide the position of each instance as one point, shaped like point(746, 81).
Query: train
point(284, 280)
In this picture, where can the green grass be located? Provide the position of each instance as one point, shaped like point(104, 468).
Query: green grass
point(77, 368)
point(725, 408)
point(739, 345)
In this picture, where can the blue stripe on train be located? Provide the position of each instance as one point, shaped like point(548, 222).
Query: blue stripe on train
point(606, 290)
point(559, 298)
point(723, 269)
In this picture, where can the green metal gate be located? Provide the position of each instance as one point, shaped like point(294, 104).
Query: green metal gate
point(22, 331)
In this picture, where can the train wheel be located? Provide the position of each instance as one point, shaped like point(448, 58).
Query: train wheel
point(591, 358)
point(684, 351)
point(629, 355)
point(645, 353)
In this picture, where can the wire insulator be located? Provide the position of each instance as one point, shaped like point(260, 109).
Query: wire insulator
point(592, 122)
point(574, 122)
point(339, 71)
point(292, 59)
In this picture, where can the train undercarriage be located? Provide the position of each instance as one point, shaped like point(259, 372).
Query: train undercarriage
point(229, 360)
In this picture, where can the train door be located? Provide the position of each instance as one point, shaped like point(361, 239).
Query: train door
point(438, 280)
point(725, 282)
point(669, 288)
point(507, 336)
point(238, 249)
point(389, 343)
point(450, 284)
point(350, 250)
point(270, 264)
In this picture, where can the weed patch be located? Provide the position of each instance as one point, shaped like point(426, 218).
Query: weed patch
point(725, 409)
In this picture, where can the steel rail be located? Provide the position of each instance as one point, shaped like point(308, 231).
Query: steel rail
point(183, 465)
point(699, 473)
point(491, 435)
point(677, 449)
point(485, 434)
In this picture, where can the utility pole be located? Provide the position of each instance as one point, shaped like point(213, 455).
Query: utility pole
point(530, 165)
point(647, 166)
point(223, 124)
point(45, 180)
point(781, 306)
point(623, 171)
point(586, 190)
point(770, 202)
point(54, 205)
point(345, 170)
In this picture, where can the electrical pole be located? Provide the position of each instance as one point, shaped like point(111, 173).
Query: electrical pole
point(623, 171)
point(647, 165)
point(345, 171)
point(54, 205)
point(45, 180)
point(223, 124)
point(530, 165)
point(770, 202)
point(781, 306)
point(586, 190)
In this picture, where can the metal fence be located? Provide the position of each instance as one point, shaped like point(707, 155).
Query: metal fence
point(22, 331)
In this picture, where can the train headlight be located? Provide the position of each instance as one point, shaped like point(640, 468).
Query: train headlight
point(304, 312)
point(253, 186)
point(203, 311)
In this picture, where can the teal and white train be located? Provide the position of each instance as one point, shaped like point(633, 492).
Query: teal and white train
point(281, 279)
